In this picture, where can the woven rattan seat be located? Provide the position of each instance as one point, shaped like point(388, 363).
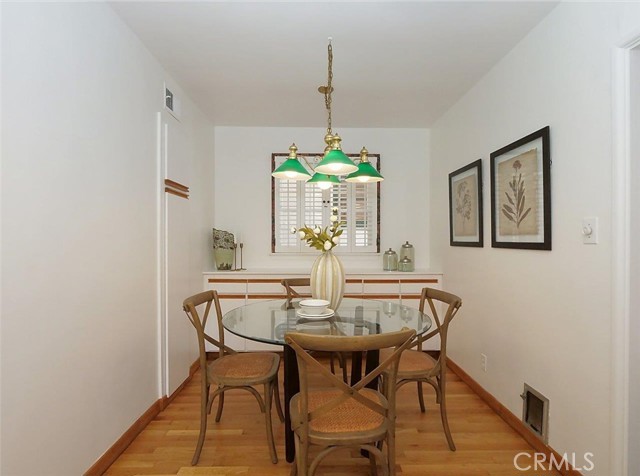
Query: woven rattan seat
point(230, 371)
point(349, 416)
point(345, 416)
point(417, 366)
point(412, 361)
point(244, 365)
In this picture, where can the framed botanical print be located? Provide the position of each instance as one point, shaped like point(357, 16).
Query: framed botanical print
point(521, 193)
point(465, 206)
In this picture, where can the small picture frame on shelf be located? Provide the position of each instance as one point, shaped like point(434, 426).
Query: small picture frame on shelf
point(521, 193)
point(465, 206)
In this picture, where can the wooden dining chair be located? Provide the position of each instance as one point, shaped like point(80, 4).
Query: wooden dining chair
point(338, 415)
point(420, 367)
point(290, 286)
point(231, 371)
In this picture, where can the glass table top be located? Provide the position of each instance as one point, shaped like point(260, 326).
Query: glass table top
point(268, 321)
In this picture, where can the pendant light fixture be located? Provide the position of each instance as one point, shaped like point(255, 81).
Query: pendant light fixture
point(366, 172)
point(291, 169)
point(334, 161)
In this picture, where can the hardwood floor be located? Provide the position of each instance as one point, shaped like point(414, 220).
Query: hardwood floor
point(237, 444)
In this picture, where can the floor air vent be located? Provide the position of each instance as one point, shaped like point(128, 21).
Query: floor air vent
point(535, 412)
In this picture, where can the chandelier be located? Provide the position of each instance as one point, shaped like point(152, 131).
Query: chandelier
point(333, 162)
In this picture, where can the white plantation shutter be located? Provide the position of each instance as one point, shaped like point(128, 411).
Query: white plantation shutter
point(339, 197)
point(312, 209)
point(364, 216)
point(287, 204)
point(297, 204)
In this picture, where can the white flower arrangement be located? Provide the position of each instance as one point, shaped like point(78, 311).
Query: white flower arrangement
point(322, 239)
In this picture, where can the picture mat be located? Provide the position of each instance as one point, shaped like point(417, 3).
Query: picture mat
point(534, 194)
point(465, 230)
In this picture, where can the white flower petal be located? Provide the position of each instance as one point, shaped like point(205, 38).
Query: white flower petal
point(301, 234)
point(327, 245)
point(333, 218)
point(336, 240)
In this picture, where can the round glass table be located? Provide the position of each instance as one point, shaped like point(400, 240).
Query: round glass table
point(269, 321)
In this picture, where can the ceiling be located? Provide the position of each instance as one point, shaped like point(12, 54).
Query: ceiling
point(396, 64)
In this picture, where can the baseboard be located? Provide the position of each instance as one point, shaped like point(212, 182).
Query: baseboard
point(165, 401)
point(512, 420)
point(113, 453)
point(109, 456)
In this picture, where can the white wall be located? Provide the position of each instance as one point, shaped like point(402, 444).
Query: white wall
point(79, 239)
point(541, 317)
point(634, 325)
point(243, 188)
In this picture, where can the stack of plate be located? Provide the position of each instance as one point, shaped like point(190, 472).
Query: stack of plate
point(314, 309)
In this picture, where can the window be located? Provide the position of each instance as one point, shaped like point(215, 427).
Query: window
point(295, 204)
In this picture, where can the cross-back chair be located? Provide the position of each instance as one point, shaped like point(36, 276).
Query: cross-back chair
point(290, 286)
point(231, 370)
point(344, 416)
point(418, 366)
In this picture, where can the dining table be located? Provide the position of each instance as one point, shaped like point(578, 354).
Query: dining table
point(269, 322)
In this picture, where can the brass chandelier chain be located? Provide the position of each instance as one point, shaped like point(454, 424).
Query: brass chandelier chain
point(326, 90)
point(329, 88)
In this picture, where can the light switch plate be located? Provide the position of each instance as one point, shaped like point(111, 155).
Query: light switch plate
point(590, 230)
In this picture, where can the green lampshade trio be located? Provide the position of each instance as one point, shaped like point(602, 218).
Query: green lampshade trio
point(334, 161)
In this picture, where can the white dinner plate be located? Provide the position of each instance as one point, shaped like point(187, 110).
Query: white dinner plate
point(324, 315)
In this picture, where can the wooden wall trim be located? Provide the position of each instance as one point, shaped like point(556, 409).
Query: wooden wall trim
point(419, 281)
point(176, 185)
point(108, 458)
point(512, 420)
point(103, 463)
point(176, 193)
point(267, 296)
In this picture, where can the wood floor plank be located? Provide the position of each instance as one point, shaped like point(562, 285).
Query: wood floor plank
point(486, 445)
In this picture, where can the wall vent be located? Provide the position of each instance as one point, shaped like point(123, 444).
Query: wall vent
point(171, 103)
point(535, 412)
point(168, 99)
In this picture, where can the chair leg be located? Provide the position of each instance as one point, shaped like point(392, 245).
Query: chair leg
point(302, 453)
point(391, 453)
point(276, 394)
point(268, 391)
point(203, 425)
point(332, 364)
point(421, 397)
point(220, 405)
point(443, 411)
point(343, 363)
point(372, 464)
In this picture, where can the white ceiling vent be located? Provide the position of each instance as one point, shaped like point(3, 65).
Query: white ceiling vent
point(171, 103)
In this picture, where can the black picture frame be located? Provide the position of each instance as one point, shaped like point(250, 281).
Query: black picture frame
point(465, 206)
point(521, 193)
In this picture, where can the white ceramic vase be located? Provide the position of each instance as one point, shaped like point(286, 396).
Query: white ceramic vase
point(327, 279)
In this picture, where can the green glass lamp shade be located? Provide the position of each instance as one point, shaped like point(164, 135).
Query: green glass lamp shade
point(324, 181)
point(336, 163)
point(291, 169)
point(366, 173)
